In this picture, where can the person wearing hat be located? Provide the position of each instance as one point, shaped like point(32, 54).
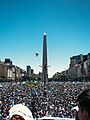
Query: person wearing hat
point(84, 105)
point(20, 112)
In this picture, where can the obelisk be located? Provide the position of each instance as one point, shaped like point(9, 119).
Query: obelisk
point(44, 64)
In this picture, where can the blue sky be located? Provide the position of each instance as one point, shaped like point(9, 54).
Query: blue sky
point(23, 22)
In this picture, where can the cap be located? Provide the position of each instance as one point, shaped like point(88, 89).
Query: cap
point(21, 110)
point(75, 108)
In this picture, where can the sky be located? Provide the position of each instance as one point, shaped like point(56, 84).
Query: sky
point(23, 23)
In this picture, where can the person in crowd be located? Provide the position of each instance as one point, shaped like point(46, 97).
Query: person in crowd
point(20, 112)
point(84, 105)
point(58, 101)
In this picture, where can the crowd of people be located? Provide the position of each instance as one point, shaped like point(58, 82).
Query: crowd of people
point(57, 100)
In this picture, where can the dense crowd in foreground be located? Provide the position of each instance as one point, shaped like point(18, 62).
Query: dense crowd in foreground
point(57, 101)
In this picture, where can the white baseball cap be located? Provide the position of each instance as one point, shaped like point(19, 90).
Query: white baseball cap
point(75, 108)
point(21, 110)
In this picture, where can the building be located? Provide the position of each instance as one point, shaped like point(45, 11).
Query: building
point(79, 66)
point(32, 71)
point(3, 70)
point(9, 71)
point(28, 71)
